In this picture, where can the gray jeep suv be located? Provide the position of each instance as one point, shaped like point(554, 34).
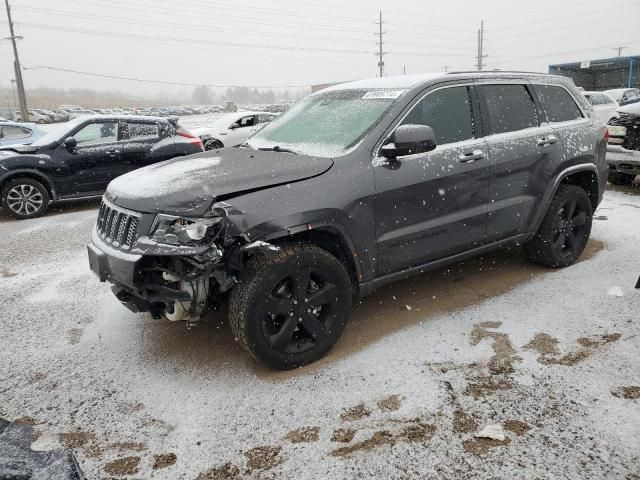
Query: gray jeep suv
point(352, 188)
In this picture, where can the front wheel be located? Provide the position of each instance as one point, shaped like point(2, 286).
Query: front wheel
point(291, 306)
point(212, 144)
point(25, 198)
point(565, 229)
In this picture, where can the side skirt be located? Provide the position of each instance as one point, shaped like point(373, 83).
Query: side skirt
point(367, 288)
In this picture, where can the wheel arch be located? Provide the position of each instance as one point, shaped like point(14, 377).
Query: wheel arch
point(32, 174)
point(584, 176)
point(330, 237)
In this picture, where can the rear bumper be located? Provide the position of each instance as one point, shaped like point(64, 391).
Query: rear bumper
point(623, 160)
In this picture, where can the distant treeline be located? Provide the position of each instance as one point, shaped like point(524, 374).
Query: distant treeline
point(52, 98)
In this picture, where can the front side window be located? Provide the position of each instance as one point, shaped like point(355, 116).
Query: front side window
point(10, 132)
point(447, 111)
point(327, 124)
point(558, 104)
point(247, 122)
point(509, 107)
point(97, 133)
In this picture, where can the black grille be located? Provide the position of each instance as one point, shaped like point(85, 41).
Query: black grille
point(118, 226)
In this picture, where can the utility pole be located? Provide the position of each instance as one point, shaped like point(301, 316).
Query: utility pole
point(619, 49)
point(22, 97)
point(446, 68)
point(380, 53)
point(481, 56)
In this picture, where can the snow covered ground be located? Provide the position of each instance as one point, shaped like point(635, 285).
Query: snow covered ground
point(553, 357)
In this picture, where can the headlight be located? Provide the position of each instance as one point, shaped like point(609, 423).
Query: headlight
point(185, 231)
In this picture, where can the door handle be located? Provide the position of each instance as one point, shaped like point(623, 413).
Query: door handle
point(548, 140)
point(471, 156)
point(112, 152)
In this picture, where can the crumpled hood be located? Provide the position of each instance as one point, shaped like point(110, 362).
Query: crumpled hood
point(189, 185)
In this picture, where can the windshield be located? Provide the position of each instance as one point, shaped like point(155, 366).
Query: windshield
point(59, 132)
point(327, 124)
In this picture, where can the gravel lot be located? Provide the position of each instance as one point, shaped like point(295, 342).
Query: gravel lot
point(552, 356)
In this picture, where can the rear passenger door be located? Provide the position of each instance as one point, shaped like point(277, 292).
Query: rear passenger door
point(137, 144)
point(523, 153)
point(562, 113)
point(434, 205)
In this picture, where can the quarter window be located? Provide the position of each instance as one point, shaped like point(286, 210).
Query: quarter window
point(558, 103)
point(510, 108)
point(447, 111)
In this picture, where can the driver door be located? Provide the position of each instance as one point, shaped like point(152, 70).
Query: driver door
point(96, 158)
point(433, 205)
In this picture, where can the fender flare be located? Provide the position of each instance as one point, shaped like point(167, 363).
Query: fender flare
point(7, 176)
point(326, 225)
point(550, 193)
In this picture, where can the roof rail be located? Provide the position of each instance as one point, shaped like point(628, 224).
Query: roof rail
point(497, 70)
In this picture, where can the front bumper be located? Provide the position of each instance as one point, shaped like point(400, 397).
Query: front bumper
point(113, 265)
point(623, 160)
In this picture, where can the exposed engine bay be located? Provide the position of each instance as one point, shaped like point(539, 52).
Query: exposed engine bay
point(625, 131)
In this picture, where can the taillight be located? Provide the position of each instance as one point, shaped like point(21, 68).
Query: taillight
point(606, 134)
point(192, 138)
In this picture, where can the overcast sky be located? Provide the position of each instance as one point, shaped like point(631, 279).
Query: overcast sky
point(289, 42)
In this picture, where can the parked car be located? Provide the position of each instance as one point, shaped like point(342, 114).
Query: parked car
point(81, 158)
point(12, 133)
point(603, 104)
point(355, 186)
point(620, 95)
point(623, 153)
point(34, 117)
point(232, 129)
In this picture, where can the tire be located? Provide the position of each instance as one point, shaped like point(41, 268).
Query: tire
point(25, 198)
point(565, 229)
point(212, 144)
point(618, 178)
point(267, 309)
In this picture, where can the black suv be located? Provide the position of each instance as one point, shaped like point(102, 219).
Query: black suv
point(81, 158)
point(352, 188)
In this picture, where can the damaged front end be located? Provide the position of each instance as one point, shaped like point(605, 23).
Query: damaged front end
point(171, 266)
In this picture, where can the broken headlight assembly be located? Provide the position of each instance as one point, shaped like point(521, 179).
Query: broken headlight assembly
point(173, 230)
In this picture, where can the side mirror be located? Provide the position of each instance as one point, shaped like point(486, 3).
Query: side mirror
point(409, 140)
point(234, 126)
point(70, 143)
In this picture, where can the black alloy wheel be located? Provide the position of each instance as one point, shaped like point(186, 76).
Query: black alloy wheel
point(291, 306)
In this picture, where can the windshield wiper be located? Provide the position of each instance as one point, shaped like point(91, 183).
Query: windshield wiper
point(277, 148)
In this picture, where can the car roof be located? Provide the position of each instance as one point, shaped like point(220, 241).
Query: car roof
point(121, 117)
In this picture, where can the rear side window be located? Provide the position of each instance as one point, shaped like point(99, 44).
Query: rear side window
point(558, 104)
point(140, 131)
point(447, 111)
point(509, 107)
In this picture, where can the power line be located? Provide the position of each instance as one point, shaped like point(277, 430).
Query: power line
point(160, 82)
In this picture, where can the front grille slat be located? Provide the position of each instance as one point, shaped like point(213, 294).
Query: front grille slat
point(117, 226)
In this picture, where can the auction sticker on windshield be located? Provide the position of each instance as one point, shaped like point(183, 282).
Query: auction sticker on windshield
point(383, 94)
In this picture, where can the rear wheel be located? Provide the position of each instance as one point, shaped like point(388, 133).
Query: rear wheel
point(291, 306)
point(212, 144)
point(25, 198)
point(618, 178)
point(565, 229)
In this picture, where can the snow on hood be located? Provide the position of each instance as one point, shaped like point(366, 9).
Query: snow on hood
point(190, 184)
